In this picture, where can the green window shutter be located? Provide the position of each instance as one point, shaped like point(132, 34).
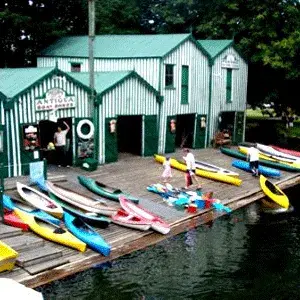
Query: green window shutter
point(111, 142)
point(184, 85)
point(150, 135)
point(169, 77)
point(201, 127)
point(229, 85)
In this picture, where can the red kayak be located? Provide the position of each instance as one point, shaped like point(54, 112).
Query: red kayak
point(157, 223)
point(287, 151)
point(13, 220)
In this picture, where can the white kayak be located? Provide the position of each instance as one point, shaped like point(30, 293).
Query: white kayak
point(212, 168)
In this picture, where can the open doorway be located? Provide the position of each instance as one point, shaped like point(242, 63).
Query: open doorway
point(226, 121)
point(47, 131)
point(185, 125)
point(130, 134)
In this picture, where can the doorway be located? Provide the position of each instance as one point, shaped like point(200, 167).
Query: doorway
point(185, 125)
point(129, 131)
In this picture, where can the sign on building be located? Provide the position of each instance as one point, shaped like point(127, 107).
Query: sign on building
point(230, 61)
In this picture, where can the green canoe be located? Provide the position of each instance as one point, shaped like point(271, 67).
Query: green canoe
point(273, 164)
point(104, 190)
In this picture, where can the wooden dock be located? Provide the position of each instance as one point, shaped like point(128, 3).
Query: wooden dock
point(42, 261)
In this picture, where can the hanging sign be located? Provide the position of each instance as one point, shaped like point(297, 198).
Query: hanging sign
point(55, 99)
point(230, 61)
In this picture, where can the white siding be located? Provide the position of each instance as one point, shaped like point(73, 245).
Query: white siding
point(129, 98)
point(239, 89)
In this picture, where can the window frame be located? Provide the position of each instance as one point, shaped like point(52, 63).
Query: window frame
point(77, 68)
point(169, 76)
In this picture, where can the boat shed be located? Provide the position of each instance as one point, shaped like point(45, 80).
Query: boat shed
point(126, 114)
point(228, 88)
point(176, 65)
point(32, 101)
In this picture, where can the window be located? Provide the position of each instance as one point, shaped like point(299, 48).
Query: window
point(169, 79)
point(185, 85)
point(229, 86)
point(75, 67)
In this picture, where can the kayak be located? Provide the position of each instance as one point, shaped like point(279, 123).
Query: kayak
point(273, 152)
point(12, 204)
point(104, 190)
point(10, 218)
point(268, 163)
point(212, 168)
point(211, 175)
point(87, 234)
point(39, 200)
point(287, 151)
point(94, 218)
point(270, 207)
point(284, 161)
point(273, 192)
point(8, 257)
point(243, 165)
point(50, 231)
point(125, 219)
point(157, 223)
point(89, 204)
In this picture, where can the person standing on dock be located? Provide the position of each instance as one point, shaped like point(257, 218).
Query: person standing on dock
point(253, 158)
point(60, 140)
point(167, 173)
point(191, 166)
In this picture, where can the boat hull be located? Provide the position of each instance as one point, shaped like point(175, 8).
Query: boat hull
point(287, 151)
point(11, 219)
point(8, 257)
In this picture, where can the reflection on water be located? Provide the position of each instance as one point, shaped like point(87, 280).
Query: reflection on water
point(247, 255)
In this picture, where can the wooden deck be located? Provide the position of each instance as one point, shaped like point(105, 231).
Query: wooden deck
point(42, 261)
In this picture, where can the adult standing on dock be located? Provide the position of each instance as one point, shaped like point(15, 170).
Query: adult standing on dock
point(60, 140)
point(253, 157)
point(191, 166)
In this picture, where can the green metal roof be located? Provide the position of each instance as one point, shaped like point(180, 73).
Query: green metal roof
point(14, 81)
point(215, 47)
point(117, 46)
point(105, 81)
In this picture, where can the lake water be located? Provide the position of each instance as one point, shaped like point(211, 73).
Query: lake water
point(245, 255)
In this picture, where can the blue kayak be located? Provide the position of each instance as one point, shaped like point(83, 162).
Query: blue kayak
point(87, 234)
point(243, 165)
point(10, 204)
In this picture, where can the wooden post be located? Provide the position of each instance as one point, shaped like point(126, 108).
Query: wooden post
point(91, 45)
point(1, 192)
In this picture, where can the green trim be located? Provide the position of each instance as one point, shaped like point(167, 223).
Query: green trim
point(75, 62)
point(209, 104)
point(99, 97)
point(228, 85)
point(97, 130)
point(171, 87)
point(2, 97)
point(8, 104)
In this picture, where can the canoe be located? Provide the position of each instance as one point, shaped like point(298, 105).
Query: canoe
point(8, 257)
point(157, 223)
point(211, 175)
point(104, 190)
point(273, 158)
point(287, 151)
point(87, 234)
point(274, 153)
point(270, 207)
point(212, 168)
point(49, 231)
point(125, 219)
point(243, 165)
point(273, 192)
point(94, 218)
point(12, 204)
point(89, 204)
point(11, 219)
point(268, 163)
point(39, 200)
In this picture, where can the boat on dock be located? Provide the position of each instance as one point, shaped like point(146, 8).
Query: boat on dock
point(273, 192)
point(87, 234)
point(11, 219)
point(39, 200)
point(74, 198)
point(8, 257)
point(271, 152)
point(91, 217)
point(123, 218)
point(201, 165)
point(210, 175)
point(104, 190)
point(287, 151)
point(50, 231)
point(157, 223)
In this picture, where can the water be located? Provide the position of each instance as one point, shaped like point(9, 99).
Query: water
point(246, 255)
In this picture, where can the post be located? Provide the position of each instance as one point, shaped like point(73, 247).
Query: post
point(45, 168)
point(1, 192)
point(91, 45)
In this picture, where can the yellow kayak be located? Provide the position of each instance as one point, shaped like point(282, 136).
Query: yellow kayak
point(211, 175)
point(8, 257)
point(47, 230)
point(244, 150)
point(274, 192)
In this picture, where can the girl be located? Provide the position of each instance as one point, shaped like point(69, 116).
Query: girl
point(167, 174)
